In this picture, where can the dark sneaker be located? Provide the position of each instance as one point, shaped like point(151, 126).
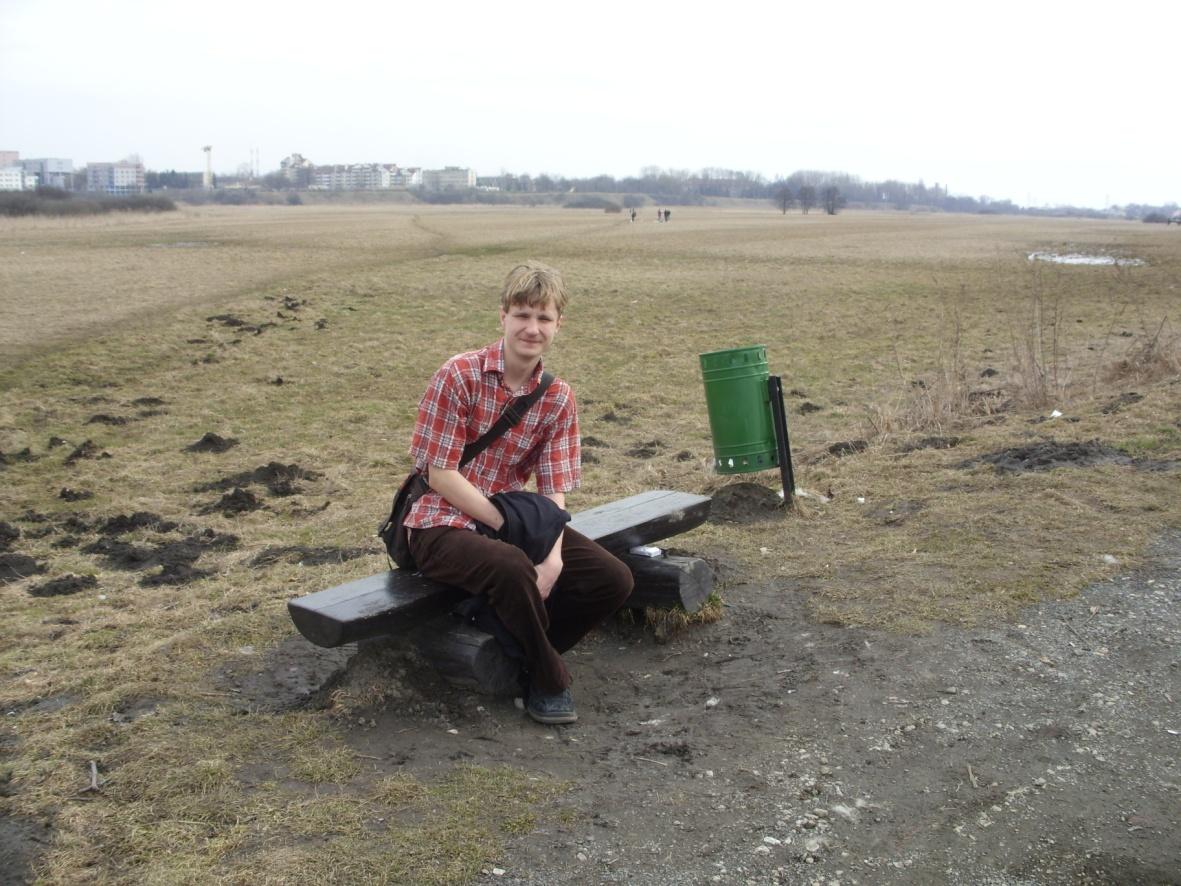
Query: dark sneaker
point(558, 708)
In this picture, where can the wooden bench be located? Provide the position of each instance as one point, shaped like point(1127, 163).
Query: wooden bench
point(405, 603)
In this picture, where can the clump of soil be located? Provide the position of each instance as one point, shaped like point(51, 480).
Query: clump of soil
point(744, 503)
point(76, 523)
point(307, 556)
point(895, 512)
point(240, 501)
point(148, 401)
point(612, 416)
point(931, 443)
point(87, 449)
point(8, 534)
point(31, 516)
point(226, 320)
point(322, 323)
point(278, 478)
point(808, 407)
point(684, 455)
point(589, 458)
point(69, 494)
point(173, 574)
point(233, 322)
point(25, 454)
point(121, 523)
point(55, 442)
point(645, 450)
point(103, 418)
point(1050, 454)
point(847, 447)
point(174, 557)
point(15, 567)
point(63, 586)
point(988, 373)
point(277, 380)
point(1126, 399)
point(211, 442)
point(292, 304)
point(590, 440)
point(123, 555)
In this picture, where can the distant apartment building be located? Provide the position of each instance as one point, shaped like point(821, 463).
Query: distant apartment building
point(449, 178)
point(12, 178)
point(364, 177)
point(124, 177)
point(10, 158)
point(52, 172)
point(401, 178)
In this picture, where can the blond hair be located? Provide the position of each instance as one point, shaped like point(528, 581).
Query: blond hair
point(535, 285)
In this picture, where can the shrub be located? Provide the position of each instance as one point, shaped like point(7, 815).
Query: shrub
point(293, 199)
point(589, 201)
point(18, 203)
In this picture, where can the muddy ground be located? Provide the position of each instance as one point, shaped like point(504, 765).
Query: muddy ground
point(768, 748)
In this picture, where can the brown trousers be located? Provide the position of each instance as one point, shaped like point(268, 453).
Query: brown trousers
point(593, 584)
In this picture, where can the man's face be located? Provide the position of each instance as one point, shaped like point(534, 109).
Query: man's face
point(529, 331)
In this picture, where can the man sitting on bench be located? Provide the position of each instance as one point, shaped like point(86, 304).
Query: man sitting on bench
point(548, 607)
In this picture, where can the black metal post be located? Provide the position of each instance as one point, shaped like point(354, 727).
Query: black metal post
point(782, 443)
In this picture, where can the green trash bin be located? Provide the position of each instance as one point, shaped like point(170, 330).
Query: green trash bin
point(739, 406)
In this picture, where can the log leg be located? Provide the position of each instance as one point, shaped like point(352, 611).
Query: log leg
point(467, 656)
point(664, 582)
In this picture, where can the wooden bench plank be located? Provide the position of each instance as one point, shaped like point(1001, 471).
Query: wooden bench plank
point(369, 607)
point(389, 601)
point(642, 519)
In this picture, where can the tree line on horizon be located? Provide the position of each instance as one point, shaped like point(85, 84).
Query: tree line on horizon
point(803, 190)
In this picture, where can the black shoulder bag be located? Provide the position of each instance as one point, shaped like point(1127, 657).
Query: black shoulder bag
point(393, 531)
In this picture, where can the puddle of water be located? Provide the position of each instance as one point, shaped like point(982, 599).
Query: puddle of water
point(1078, 258)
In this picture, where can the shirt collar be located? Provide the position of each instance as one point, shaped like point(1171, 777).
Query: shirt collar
point(494, 362)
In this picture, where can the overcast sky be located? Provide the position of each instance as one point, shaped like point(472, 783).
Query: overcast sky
point(1039, 102)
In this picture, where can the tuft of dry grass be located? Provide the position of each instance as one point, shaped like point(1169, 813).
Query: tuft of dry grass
point(1151, 358)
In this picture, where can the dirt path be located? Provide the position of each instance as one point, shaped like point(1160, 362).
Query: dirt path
point(767, 748)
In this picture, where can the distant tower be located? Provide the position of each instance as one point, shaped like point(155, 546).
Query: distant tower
point(208, 181)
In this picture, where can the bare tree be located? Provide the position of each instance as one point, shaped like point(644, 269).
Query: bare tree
point(807, 198)
point(833, 199)
point(784, 198)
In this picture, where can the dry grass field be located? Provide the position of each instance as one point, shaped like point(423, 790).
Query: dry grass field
point(308, 333)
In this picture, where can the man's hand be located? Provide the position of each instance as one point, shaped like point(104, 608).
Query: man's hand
point(454, 487)
point(549, 569)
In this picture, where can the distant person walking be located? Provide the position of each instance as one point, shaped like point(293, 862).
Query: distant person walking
point(633, 218)
point(667, 213)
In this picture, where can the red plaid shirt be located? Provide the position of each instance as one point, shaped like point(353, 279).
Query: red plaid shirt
point(463, 400)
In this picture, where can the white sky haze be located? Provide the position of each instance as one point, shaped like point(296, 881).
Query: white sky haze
point(1042, 103)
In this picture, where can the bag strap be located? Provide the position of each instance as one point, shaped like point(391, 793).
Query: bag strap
point(513, 413)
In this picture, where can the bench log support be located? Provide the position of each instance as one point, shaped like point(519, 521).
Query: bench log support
point(466, 656)
point(668, 581)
